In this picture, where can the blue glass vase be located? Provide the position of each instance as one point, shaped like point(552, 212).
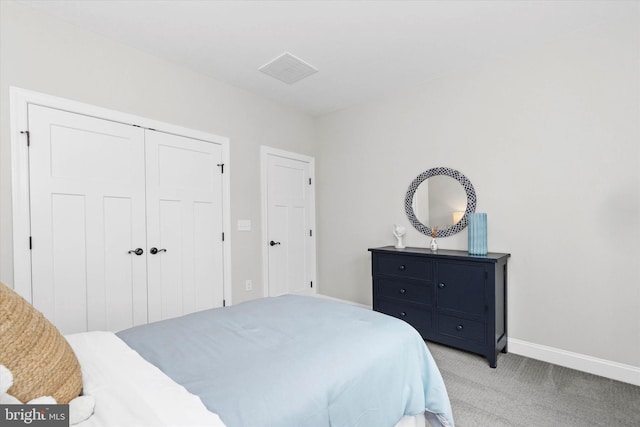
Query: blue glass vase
point(478, 234)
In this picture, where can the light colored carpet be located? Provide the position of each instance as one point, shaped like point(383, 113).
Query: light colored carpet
point(530, 393)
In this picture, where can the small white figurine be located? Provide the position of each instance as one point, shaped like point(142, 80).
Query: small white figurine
point(399, 231)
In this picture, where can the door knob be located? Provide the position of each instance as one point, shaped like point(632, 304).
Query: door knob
point(155, 250)
point(272, 243)
point(137, 251)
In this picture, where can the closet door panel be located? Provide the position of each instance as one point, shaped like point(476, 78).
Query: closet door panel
point(121, 295)
point(65, 296)
point(169, 265)
point(184, 217)
point(87, 199)
point(207, 247)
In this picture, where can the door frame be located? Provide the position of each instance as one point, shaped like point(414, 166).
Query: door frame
point(265, 152)
point(20, 99)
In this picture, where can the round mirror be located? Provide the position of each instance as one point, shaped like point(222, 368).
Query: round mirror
point(440, 201)
point(442, 198)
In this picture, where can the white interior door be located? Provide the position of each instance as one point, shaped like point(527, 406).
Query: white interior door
point(185, 224)
point(289, 222)
point(87, 212)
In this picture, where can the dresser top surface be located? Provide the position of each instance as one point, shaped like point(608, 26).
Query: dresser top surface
point(441, 253)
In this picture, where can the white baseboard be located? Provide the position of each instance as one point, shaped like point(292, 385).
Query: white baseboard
point(344, 301)
point(593, 365)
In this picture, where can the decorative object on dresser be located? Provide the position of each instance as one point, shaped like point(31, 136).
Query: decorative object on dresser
point(399, 232)
point(434, 242)
point(478, 234)
point(449, 297)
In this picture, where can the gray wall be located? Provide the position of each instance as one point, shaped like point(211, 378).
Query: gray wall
point(550, 140)
point(47, 55)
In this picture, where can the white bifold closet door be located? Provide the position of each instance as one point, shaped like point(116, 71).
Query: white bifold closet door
point(184, 217)
point(99, 191)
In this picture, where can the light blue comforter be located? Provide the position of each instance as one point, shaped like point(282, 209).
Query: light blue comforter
point(295, 361)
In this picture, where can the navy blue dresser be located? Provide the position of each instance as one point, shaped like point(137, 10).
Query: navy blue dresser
point(448, 296)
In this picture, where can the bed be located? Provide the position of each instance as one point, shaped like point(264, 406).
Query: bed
point(288, 361)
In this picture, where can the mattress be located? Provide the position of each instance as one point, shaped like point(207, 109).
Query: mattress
point(285, 361)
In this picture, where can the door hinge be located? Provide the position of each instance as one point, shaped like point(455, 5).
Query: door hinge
point(310, 233)
point(224, 303)
point(223, 236)
point(309, 181)
point(221, 167)
point(312, 283)
point(30, 243)
point(26, 132)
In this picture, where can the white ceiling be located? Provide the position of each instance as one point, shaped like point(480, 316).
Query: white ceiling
point(363, 50)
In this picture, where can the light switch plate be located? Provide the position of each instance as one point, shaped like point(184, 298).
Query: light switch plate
point(244, 225)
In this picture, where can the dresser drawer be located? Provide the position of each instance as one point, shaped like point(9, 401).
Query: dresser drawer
point(461, 328)
point(404, 266)
point(417, 317)
point(403, 289)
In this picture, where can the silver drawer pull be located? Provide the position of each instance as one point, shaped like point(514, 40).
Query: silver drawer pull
point(403, 291)
point(441, 285)
point(403, 314)
point(459, 328)
point(402, 267)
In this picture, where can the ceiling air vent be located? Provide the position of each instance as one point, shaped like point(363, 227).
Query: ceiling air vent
point(288, 69)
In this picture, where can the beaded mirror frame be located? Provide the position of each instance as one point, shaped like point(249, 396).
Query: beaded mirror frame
point(468, 189)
